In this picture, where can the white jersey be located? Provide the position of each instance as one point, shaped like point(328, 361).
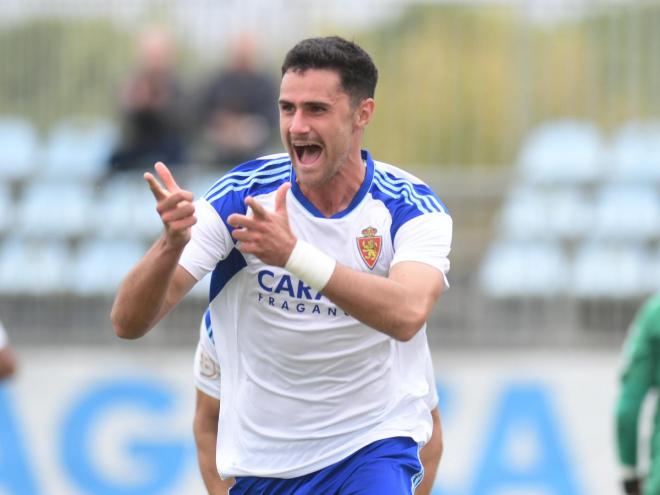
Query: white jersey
point(4, 341)
point(206, 366)
point(303, 384)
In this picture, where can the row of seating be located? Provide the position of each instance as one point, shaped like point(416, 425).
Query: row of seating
point(578, 152)
point(544, 269)
point(76, 148)
point(582, 219)
point(95, 267)
point(121, 207)
point(563, 151)
point(609, 212)
point(125, 208)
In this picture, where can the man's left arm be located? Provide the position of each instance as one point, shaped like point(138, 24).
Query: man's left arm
point(397, 305)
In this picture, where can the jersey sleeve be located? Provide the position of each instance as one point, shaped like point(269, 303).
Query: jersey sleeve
point(426, 239)
point(639, 367)
point(206, 368)
point(211, 241)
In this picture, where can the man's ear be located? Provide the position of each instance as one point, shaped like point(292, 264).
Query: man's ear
point(365, 112)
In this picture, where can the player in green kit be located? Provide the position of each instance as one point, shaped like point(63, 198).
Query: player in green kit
point(641, 374)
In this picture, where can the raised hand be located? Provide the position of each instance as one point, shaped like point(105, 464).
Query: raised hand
point(174, 205)
point(265, 234)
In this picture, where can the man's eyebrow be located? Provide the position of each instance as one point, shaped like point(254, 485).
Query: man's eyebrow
point(310, 103)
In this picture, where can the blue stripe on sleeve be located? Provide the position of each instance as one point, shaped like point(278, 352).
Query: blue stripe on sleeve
point(252, 178)
point(404, 199)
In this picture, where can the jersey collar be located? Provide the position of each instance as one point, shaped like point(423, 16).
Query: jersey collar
point(364, 188)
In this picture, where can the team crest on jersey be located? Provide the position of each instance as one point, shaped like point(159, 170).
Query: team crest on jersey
point(369, 245)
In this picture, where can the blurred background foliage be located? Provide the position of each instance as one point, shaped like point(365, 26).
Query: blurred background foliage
point(459, 84)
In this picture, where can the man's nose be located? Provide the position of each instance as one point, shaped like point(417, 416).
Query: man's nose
point(298, 123)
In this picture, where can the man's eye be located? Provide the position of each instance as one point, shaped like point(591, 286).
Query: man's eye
point(317, 109)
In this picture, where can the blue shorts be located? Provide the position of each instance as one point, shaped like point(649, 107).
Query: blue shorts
point(385, 467)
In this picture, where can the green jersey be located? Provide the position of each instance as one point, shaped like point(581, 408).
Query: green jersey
point(641, 373)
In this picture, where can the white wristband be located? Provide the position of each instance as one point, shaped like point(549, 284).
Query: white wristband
point(311, 265)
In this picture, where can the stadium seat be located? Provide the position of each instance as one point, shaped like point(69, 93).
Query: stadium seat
point(79, 149)
point(33, 267)
point(538, 213)
point(19, 148)
point(635, 153)
point(523, 269)
point(606, 270)
point(524, 215)
point(652, 271)
point(570, 213)
point(627, 212)
point(54, 209)
point(98, 265)
point(126, 209)
point(562, 152)
point(6, 208)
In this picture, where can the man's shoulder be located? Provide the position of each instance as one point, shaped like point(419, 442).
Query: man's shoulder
point(259, 176)
point(397, 186)
point(395, 172)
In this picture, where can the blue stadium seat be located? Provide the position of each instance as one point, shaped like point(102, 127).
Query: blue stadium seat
point(524, 215)
point(98, 266)
point(635, 153)
point(19, 148)
point(562, 152)
point(606, 270)
point(570, 213)
point(54, 209)
point(127, 209)
point(79, 149)
point(34, 267)
point(524, 269)
point(538, 213)
point(6, 208)
point(652, 271)
point(627, 212)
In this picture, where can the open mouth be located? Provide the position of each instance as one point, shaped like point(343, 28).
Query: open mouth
point(307, 153)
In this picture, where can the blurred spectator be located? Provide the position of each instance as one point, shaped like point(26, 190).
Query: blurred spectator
point(151, 103)
point(641, 374)
point(238, 109)
point(7, 362)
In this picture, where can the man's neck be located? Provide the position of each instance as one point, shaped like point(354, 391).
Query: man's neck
point(336, 195)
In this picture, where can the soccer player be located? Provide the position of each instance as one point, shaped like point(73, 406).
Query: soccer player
point(322, 259)
point(206, 370)
point(7, 361)
point(641, 373)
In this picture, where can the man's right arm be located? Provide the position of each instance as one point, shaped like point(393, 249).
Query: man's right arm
point(156, 283)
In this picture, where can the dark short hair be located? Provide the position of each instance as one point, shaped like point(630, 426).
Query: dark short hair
point(357, 72)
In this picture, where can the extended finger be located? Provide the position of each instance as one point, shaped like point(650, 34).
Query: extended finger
point(257, 210)
point(240, 221)
point(156, 189)
point(166, 176)
point(280, 197)
point(181, 211)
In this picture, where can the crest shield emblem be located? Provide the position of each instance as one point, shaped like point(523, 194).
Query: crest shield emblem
point(369, 245)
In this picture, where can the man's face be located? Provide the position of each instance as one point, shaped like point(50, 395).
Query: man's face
point(317, 124)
